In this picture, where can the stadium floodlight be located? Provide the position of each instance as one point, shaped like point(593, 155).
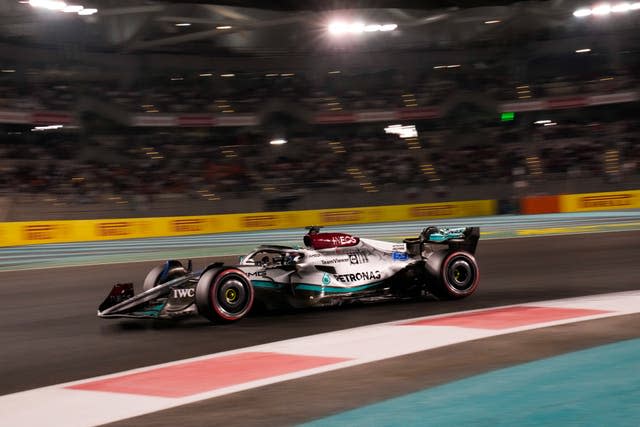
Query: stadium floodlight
point(87, 12)
point(621, 7)
point(601, 9)
point(48, 127)
point(337, 27)
point(358, 27)
point(407, 131)
point(581, 13)
point(183, 24)
point(542, 122)
point(278, 141)
point(48, 4)
point(71, 8)
point(583, 50)
point(606, 9)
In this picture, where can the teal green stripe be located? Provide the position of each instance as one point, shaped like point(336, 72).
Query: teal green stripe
point(151, 311)
point(594, 387)
point(266, 284)
point(313, 288)
point(335, 289)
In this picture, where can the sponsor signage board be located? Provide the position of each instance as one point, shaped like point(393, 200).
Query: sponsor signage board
point(600, 201)
point(36, 232)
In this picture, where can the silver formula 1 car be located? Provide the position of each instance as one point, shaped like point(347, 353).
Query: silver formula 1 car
point(331, 269)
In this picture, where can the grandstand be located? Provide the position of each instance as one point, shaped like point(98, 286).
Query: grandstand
point(169, 108)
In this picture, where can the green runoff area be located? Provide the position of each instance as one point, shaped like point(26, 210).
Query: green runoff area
point(594, 387)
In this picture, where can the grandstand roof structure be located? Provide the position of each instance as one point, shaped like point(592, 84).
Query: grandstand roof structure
point(254, 28)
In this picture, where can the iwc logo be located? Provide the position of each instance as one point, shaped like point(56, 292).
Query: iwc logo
point(326, 279)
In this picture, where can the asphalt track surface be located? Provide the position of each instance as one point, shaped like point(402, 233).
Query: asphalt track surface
point(49, 333)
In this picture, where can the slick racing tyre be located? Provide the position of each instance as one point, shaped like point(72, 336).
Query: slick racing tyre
point(459, 276)
point(224, 295)
point(163, 273)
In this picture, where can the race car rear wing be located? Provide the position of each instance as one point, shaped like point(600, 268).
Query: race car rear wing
point(468, 242)
point(460, 238)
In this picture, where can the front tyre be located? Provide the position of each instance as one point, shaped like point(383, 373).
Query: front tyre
point(224, 295)
point(163, 273)
point(459, 276)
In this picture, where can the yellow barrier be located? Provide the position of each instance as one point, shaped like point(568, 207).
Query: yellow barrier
point(39, 232)
point(600, 201)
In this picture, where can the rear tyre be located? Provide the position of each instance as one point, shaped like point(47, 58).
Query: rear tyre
point(163, 273)
point(224, 295)
point(459, 276)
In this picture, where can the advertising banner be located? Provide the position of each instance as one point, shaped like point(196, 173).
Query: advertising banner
point(39, 232)
point(600, 201)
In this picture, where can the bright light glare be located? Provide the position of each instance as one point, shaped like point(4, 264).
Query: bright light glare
point(86, 12)
point(223, 27)
point(278, 141)
point(73, 8)
point(493, 21)
point(542, 122)
point(601, 9)
point(621, 7)
point(356, 28)
point(337, 27)
point(606, 9)
point(341, 27)
point(49, 127)
point(581, 13)
point(408, 131)
point(48, 4)
point(61, 6)
point(183, 24)
point(583, 50)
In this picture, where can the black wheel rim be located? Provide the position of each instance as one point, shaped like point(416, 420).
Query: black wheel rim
point(460, 274)
point(232, 295)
